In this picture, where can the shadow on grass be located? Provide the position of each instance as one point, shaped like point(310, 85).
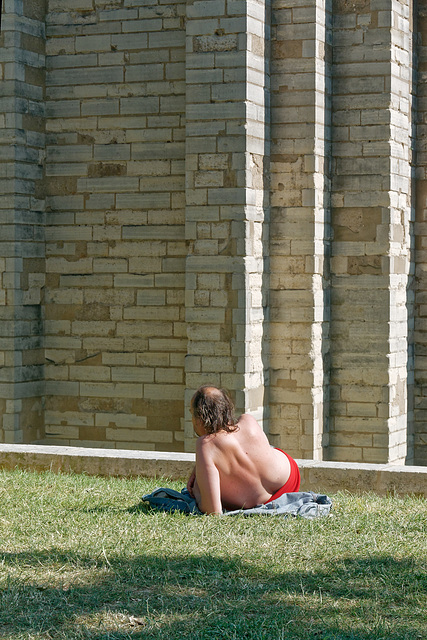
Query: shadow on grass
point(207, 597)
point(140, 507)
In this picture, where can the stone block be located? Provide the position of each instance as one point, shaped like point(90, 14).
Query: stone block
point(111, 389)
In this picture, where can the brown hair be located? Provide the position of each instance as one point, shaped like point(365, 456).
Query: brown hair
point(214, 408)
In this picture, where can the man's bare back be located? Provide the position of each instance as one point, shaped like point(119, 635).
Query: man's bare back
point(235, 468)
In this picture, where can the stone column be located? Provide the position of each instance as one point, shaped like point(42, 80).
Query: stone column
point(21, 220)
point(420, 334)
point(299, 227)
point(226, 206)
point(371, 217)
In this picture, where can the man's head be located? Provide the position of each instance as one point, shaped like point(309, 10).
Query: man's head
point(214, 409)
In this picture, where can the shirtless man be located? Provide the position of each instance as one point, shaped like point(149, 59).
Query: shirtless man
point(235, 465)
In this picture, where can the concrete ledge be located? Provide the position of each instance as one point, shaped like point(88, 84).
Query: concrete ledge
point(383, 479)
point(96, 462)
point(321, 477)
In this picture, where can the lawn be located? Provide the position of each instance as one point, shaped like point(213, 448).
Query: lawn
point(81, 558)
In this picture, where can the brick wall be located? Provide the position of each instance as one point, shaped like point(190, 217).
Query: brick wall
point(115, 247)
point(226, 161)
point(371, 217)
point(22, 266)
point(213, 191)
point(299, 234)
point(420, 316)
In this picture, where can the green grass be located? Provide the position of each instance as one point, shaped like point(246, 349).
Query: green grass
point(81, 558)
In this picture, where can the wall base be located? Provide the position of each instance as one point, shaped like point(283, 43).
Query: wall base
point(321, 477)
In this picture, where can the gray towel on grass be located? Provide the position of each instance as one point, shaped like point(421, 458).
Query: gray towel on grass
point(305, 504)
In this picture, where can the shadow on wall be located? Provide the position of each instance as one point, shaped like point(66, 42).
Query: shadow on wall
point(208, 597)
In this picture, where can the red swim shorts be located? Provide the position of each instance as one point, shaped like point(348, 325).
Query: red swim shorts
point(293, 482)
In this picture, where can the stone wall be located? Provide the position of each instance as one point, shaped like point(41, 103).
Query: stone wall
point(219, 191)
point(371, 217)
point(420, 316)
point(227, 204)
point(22, 264)
point(300, 225)
point(115, 247)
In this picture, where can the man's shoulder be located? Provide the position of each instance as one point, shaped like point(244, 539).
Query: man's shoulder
point(212, 442)
point(248, 420)
point(205, 449)
point(204, 443)
point(247, 416)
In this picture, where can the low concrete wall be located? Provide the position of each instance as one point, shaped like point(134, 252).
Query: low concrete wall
point(99, 462)
point(329, 477)
point(321, 477)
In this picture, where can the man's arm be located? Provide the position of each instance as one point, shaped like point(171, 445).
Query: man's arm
point(207, 488)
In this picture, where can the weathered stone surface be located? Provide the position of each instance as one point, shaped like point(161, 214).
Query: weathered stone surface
point(105, 462)
point(181, 203)
point(22, 264)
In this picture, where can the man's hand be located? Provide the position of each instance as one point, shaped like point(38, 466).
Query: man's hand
point(190, 483)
